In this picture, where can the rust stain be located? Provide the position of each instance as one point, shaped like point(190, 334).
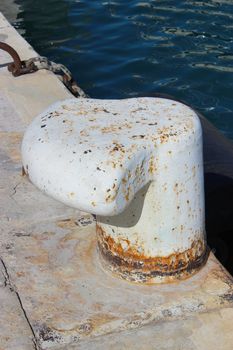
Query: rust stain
point(101, 319)
point(66, 223)
point(152, 167)
point(111, 197)
point(165, 133)
point(127, 195)
point(112, 163)
point(115, 128)
point(39, 259)
point(67, 108)
point(24, 171)
point(68, 131)
point(138, 137)
point(98, 306)
point(84, 133)
point(136, 266)
point(20, 274)
point(117, 147)
point(124, 180)
point(11, 145)
point(126, 189)
point(71, 194)
point(68, 237)
point(87, 327)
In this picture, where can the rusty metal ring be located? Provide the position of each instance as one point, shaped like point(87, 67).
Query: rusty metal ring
point(16, 66)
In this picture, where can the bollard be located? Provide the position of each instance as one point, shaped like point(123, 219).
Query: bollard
point(135, 163)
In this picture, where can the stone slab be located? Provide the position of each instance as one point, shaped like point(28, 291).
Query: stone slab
point(211, 330)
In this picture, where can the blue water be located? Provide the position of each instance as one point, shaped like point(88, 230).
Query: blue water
point(118, 49)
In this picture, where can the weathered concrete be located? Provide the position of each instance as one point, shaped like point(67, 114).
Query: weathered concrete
point(211, 330)
point(48, 250)
point(15, 332)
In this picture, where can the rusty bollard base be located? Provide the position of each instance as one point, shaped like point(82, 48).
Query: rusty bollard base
point(133, 267)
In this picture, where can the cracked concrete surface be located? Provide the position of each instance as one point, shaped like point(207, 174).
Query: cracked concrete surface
point(53, 292)
point(15, 332)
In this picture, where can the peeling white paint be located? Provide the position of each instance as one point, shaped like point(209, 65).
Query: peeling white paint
point(95, 155)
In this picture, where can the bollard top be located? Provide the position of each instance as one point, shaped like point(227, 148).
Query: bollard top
point(95, 155)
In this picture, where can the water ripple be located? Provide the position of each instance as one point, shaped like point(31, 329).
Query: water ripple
point(118, 49)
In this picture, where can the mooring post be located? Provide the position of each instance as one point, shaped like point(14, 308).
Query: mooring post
point(135, 163)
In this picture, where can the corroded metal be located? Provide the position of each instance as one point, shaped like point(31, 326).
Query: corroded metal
point(19, 67)
point(16, 66)
point(135, 267)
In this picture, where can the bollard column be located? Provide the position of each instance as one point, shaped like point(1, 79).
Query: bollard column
point(160, 236)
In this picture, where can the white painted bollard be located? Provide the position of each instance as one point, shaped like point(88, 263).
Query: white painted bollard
point(135, 163)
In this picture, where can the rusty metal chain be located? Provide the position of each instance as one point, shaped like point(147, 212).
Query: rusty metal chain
point(40, 62)
point(18, 67)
